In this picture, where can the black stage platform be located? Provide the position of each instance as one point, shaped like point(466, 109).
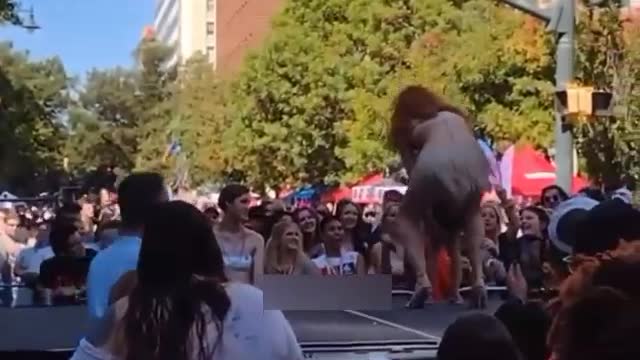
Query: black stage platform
point(395, 334)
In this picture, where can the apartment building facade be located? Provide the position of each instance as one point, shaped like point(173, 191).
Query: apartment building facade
point(223, 30)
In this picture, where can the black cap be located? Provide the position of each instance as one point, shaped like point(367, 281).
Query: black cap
point(605, 225)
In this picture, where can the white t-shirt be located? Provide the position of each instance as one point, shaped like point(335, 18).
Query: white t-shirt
point(346, 264)
point(249, 332)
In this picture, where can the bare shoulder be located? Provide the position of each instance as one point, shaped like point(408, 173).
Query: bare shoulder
point(254, 237)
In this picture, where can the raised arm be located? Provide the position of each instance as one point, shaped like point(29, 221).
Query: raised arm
point(509, 207)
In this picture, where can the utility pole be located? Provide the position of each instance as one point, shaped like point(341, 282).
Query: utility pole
point(560, 20)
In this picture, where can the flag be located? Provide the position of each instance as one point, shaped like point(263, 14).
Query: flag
point(173, 149)
point(495, 178)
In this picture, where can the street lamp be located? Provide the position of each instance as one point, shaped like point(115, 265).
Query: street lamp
point(30, 23)
point(560, 20)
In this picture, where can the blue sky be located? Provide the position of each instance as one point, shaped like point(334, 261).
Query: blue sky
point(84, 33)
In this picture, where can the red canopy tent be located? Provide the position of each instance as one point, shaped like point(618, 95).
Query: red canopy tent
point(526, 171)
point(344, 192)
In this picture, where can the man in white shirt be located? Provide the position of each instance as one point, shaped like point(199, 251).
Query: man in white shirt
point(136, 195)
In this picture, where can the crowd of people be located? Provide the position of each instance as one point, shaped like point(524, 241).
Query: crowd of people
point(165, 279)
point(202, 262)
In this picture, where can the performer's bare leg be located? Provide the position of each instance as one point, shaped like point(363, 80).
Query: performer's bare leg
point(407, 230)
point(455, 270)
point(431, 258)
point(473, 236)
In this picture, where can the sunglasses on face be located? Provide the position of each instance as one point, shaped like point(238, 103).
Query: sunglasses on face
point(575, 262)
point(370, 214)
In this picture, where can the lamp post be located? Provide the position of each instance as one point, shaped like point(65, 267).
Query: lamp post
point(560, 20)
point(30, 23)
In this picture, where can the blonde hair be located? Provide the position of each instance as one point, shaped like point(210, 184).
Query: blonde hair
point(501, 217)
point(273, 249)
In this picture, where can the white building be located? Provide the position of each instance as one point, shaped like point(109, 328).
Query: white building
point(188, 26)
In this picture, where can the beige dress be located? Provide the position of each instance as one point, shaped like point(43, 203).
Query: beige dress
point(451, 170)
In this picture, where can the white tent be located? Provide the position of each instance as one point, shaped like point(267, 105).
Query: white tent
point(373, 194)
point(5, 195)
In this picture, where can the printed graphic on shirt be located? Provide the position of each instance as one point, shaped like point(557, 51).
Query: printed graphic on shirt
point(344, 265)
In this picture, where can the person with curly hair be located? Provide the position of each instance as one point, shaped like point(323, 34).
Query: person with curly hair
point(449, 174)
point(598, 309)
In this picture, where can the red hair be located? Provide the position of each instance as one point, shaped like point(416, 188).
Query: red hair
point(415, 103)
point(598, 292)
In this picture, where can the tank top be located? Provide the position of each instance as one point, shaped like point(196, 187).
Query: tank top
point(240, 262)
point(346, 264)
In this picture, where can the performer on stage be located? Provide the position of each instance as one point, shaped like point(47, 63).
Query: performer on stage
point(448, 176)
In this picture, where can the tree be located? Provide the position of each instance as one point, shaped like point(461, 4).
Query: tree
point(33, 99)
point(324, 61)
point(200, 106)
point(286, 103)
point(104, 123)
point(154, 93)
point(120, 112)
point(9, 12)
point(509, 93)
point(609, 60)
point(313, 104)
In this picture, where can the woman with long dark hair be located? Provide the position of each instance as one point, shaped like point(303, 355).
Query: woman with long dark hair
point(357, 233)
point(308, 220)
point(182, 307)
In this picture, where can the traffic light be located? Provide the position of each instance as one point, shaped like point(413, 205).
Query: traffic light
point(584, 102)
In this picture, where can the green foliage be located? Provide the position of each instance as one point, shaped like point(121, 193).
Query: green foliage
point(9, 12)
point(119, 114)
point(313, 104)
point(200, 103)
point(104, 123)
point(192, 112)
point(496, 64)
point(609, 59)
point(33, 98)
point(154, 93)
point(285, 105)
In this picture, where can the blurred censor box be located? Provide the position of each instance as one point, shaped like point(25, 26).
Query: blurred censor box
point(320, 293)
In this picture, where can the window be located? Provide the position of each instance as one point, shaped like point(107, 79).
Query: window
point(211, 53)
point(211, 28)
point(211, 5)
